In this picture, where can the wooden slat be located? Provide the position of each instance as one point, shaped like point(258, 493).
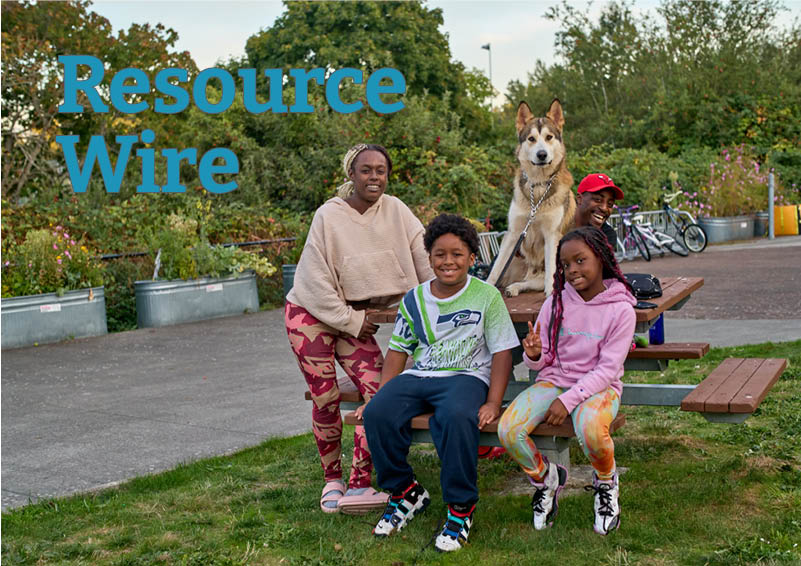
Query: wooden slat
point(671, 351)
point(674, 290)
point(718, 402)
point(565, 430)
point(524, 307)
point(753, 392)
point(696, 400)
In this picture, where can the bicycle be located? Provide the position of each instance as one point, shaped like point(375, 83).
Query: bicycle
point(691, 232)
point(632, 240)
point(643, 235)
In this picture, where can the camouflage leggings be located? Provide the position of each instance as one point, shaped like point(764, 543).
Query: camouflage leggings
point(316, 346)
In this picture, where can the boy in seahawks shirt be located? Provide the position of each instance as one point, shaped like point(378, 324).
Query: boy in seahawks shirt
point(460, 335)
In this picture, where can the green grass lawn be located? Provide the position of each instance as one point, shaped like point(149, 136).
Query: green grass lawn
point(695, 493)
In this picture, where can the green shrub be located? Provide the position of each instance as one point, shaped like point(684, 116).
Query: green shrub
point(120, 275)
point(182, 251)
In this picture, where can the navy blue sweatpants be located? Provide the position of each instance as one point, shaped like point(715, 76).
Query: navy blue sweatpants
point(455, 402)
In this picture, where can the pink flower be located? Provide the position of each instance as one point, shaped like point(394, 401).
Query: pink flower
point(59, 227)
point(68, 254)
point(55, 247)
point(66, 236)
point(7, 263)
point(72, 242)
point(58, 261)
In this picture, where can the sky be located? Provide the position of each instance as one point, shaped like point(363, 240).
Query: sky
point(517, 31)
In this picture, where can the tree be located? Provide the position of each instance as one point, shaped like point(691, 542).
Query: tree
point(369, 36)
point(700, 74)
point(33, 36)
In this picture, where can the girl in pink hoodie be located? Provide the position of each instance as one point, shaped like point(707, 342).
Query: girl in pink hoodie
point(583, 334)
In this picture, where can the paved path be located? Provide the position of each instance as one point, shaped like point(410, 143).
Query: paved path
point(93, 412)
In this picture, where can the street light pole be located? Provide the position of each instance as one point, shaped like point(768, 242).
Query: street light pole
point(489, 53)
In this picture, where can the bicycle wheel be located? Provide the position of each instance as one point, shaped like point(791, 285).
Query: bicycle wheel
point(695, 238)
point(639, 241)
point(672, 244)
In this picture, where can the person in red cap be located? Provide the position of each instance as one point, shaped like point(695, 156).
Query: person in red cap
point(597, 194)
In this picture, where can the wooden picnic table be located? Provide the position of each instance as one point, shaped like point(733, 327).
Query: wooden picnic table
point(526, 306)
point(730, 394)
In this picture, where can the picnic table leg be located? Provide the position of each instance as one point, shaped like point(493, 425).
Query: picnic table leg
point(555, 448)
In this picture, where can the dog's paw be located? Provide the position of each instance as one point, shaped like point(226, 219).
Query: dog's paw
point(513, 290)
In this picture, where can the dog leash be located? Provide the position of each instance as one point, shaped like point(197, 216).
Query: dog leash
point(531, 215)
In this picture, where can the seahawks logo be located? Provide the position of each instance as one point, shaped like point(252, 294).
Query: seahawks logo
point(458, 318)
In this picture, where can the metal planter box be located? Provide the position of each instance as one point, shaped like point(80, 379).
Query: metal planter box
point(728, 228)
point(47, 318)
point(161, 303)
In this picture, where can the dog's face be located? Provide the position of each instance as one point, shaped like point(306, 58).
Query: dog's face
point(540, 146)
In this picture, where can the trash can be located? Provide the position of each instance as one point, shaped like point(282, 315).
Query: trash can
point(288, 270)
point(760, 224)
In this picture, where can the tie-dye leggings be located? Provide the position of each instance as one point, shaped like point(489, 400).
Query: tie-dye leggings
point(316, 346)
point(591, 420)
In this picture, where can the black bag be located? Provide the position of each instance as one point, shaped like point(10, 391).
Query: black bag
point(644, 285)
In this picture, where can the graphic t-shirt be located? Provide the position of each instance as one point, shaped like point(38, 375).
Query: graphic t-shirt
point(457, 335)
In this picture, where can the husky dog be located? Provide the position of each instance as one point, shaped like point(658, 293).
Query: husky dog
point(541, 178)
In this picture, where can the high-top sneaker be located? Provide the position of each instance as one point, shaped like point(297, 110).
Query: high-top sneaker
point(544, 503)
point(457, 528)
point(401, 508)
point(607, 508)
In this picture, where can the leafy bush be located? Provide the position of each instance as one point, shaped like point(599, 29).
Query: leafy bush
point(120, 275)
point(48, 261)
point(183, 251)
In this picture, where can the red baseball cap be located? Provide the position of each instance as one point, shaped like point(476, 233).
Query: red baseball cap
point(595, 182)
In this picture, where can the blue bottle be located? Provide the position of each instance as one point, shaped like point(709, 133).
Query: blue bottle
point(656, 334)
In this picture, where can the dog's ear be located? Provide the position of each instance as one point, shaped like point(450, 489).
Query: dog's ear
point(524, 114)
point(555, 114)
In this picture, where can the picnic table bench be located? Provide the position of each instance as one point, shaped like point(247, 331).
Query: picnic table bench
point(729, 394)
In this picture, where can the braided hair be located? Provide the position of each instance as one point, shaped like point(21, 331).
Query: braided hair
point(346, 189)
point(597, 242)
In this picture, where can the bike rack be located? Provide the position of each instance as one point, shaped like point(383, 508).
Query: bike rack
point(658, 220)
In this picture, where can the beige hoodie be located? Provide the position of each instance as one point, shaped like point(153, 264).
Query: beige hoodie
point(376, 256)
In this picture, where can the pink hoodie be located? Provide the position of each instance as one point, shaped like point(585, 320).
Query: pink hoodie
point(594, 341)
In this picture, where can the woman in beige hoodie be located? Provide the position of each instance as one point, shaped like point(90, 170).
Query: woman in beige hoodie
point(364, 250)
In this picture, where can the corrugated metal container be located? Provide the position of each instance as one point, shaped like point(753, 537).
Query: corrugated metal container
point(161, 303)
point(728, 228)
point(46, 318)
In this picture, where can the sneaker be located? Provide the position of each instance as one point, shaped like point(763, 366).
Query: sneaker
point(607, 509)
point(544, 503)
point(401, 508)
point(457, 528)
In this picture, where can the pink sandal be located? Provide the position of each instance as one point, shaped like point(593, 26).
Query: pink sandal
point(364, 502)
point(333, 491)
